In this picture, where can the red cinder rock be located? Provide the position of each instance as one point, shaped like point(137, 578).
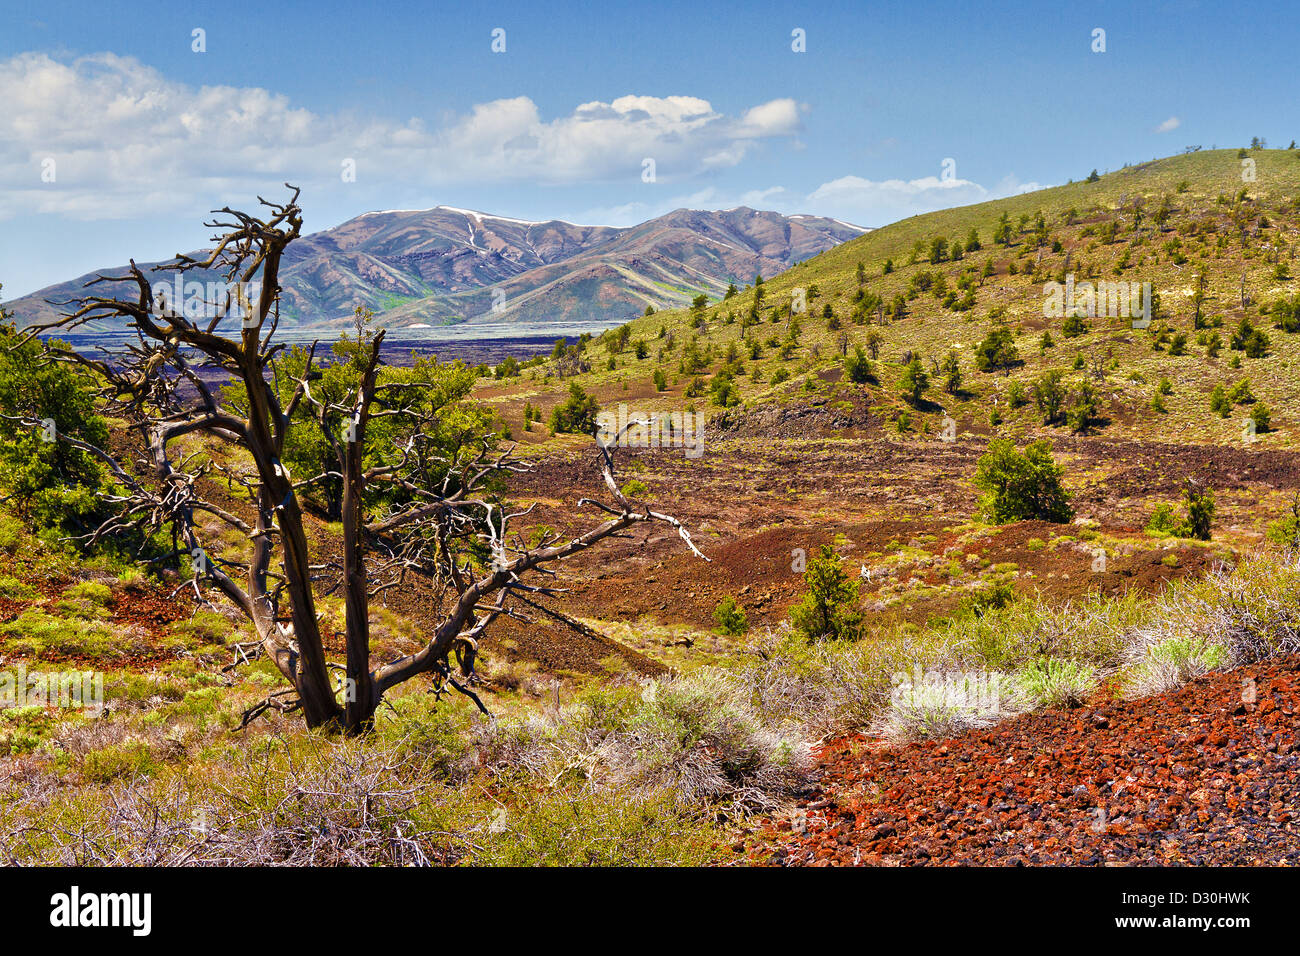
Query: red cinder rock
point(1185, 778)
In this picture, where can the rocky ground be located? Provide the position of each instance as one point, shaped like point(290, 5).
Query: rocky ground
point(1205, 775)
point(899, 509)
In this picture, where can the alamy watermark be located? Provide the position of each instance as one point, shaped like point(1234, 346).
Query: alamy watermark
point(1116, 300)
point(633, 429)
point(69, 690)
point(74, 909)
point(976, 692)
point(200, 300)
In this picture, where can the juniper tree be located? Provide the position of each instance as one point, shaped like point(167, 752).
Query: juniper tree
point(829, 610)
point(914, 381)
point(420, 508)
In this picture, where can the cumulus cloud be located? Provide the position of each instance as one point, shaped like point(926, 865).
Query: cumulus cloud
point(1169, 125)
point(124, 140)
point(1011, 185)
point(764, 198)
point(864, 202)
point(876, 202)
point(879, 202)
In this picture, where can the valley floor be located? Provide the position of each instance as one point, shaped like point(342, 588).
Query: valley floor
point(636, 733)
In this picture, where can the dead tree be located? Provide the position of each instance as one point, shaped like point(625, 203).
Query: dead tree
point(434, 515)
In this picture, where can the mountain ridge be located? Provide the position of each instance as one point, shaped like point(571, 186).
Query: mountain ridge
point(449, 265)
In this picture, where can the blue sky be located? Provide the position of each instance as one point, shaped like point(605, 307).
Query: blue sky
point(141, 135)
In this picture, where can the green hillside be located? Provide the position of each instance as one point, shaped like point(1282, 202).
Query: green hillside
point(659, 710)
point(1166, 223)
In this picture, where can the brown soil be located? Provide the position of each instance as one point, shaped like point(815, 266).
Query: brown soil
point(751, 504)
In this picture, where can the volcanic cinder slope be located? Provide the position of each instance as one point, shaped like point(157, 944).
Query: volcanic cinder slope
point(1206, 775)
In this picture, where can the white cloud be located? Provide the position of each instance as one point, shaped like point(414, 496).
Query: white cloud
point(1169, 125)
point(638, 211)
point(763, 198)
point(880, 202)
point(127, 141)
point(874, 203)
point(130, 143)
point(774, 118)
point(1010, 185)
point(865, 202)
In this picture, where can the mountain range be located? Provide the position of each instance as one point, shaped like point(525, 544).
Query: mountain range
point(445, 266)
